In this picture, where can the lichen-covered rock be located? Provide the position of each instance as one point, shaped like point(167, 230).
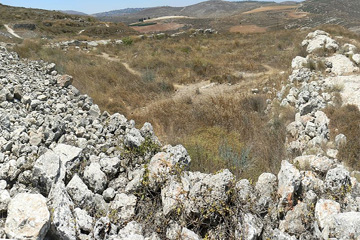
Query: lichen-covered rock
point(324, 209)
point(79, 192)
point(266, 188)
point(293, 222)
point(252, 227)
point(28, 217)
point(46, 171)
point(172, 195)
point(342, 226)
point(208, 192)
point(133, 138)
point(95, 178)
point(337, 180)
point(164, 163)
point(289, 181)
point(63, 223)
point(84, 222)
point(123, 206)
point(132, 230)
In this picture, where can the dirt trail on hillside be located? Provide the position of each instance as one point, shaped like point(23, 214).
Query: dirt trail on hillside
point(115, 59)
point(202, 91)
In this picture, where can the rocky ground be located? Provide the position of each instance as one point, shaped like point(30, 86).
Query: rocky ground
point(70, 171)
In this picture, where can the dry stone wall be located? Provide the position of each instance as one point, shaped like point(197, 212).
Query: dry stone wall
point(70, 171)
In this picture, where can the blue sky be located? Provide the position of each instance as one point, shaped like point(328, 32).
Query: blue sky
point(95, 6)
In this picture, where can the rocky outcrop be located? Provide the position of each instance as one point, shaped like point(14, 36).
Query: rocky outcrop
point(70, 171)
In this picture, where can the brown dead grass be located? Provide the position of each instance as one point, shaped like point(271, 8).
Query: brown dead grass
point(247, 29)
point(346, 120)
point(160, 27)
point(270, 8)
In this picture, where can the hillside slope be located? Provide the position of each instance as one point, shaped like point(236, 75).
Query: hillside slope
point(35, 23)
point(207, 9)
point(345, 12)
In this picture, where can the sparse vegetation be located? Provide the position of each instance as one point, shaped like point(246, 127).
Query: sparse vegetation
point(243, 134)
point(346, 120)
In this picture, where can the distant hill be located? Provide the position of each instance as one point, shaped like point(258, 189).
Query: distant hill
point(52, 24)
point(207, 9)
point(120, 12)
point(74, 12)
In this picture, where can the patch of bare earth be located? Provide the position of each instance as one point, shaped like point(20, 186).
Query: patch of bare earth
point(297, 15)
point(168, 17)
point(270, 8)
point(160, 27)
point(247, 29)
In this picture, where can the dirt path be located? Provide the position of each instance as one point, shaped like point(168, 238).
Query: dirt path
point(115, 59)
point(247, 29)
point(11, 31)
point(160, 27)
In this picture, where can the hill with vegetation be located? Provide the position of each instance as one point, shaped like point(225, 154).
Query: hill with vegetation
point(35, 23)
point(206, 9)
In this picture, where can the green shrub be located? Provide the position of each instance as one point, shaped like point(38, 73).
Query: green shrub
point(128, 41)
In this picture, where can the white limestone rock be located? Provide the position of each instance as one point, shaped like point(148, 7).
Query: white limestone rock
point(28, 217)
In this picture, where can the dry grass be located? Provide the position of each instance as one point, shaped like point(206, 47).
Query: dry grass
point(346, 120)
point(247, 29)
point(224, 132)
point(270, 8)
point(187, 60)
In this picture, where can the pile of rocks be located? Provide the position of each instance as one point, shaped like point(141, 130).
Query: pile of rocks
point(310, 90)
point(70, 171)
point(84, 44)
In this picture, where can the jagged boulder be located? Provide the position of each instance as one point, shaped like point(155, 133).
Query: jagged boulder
point(46, 171)
point(289, 181)
point(63, 223)
point(79, 192)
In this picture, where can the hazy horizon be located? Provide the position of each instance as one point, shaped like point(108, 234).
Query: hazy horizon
point(93, 6)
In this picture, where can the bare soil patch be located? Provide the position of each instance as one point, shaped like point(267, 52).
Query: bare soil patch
point(270, 8)
point(160, 27)
point(297, 15)
point(247, 29)
point(168, 17)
